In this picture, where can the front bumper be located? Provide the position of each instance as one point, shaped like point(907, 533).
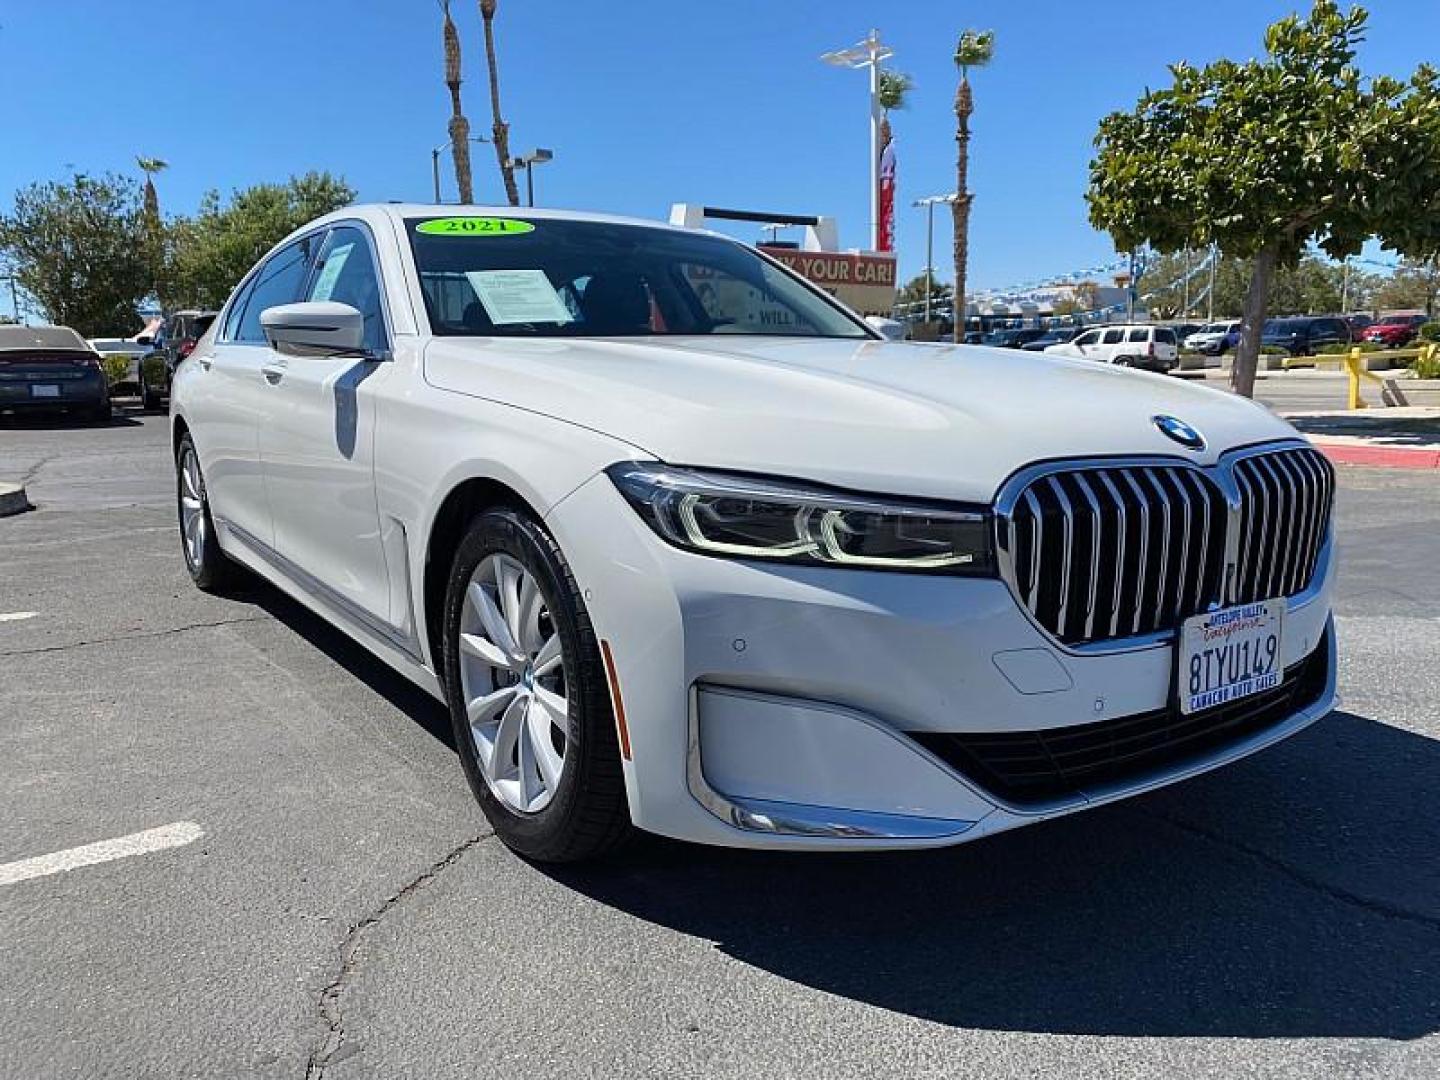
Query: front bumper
point(772, 706)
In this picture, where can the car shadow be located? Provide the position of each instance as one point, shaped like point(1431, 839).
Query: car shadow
point(62, 421)
point(1296, 894)
point(427, 713)
point(1385, 431)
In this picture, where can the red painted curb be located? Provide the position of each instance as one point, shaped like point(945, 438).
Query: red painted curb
point(1385, 457)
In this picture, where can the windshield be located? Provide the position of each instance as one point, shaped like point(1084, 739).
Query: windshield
point(545, 277)
point(1284, 326)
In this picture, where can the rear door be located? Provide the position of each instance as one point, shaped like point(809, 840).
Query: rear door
point(230, 402)
point(318, 442)
point(1112, 344)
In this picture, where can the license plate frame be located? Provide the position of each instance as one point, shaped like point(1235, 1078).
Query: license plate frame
point(1230, 654)
point(44, 390)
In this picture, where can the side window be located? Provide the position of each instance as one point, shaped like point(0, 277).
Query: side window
point(1139, 335)
point(345, 273)
point(1113, 337)
point(1089, 338)
point(1165, 337)
point(237, 307)
point(277, 282)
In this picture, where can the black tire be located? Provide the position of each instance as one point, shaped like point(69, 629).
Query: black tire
point(210, 568)
point(588, 816)
point(1124, 361)
point(149, 400)
point(102, 413)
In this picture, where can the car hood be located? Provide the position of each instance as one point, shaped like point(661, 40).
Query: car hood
point(939, 421)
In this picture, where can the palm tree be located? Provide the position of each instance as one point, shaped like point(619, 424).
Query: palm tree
point(894, 86)
point(500, 129)
point(154, 236)
point(975, 49)
point(459, 127)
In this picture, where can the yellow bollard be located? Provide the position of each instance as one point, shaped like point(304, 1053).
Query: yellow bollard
point(1353, 367)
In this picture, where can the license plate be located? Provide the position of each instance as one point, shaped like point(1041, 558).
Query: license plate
point(1230, 654)
point(44, 390)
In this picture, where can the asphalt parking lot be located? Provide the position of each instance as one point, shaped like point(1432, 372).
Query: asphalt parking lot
point(338, 908)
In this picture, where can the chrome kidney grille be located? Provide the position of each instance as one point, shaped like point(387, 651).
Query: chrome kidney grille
point(1101, 552)
point(1285, 500)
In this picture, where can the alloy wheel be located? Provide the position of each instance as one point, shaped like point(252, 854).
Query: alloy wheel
point(192, 507)
point(512, 678)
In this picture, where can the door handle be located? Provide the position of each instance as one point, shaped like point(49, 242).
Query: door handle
point(205, 362)
point(273, 372)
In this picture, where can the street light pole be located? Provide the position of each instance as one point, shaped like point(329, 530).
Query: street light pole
point(868, 53)
point(528, 162)
point(435, 161)
point(1210, 296)
point(929, 202)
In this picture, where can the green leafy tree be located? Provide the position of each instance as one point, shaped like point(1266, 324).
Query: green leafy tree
point(212, 251)
point(976, 48)
point(1311, 287)
point(1271, 156)
point(1416, 284)
point(77, 248)
point(913, 291)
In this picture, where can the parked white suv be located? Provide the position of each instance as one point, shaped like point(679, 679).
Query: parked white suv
point(1139, 346)
point(685, 544)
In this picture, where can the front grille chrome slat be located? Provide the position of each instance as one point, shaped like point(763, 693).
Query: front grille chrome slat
point(1157, 541)
point(1097, 532)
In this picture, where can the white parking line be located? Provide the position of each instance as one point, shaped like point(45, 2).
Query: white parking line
point(16, 616)
point(122, 847)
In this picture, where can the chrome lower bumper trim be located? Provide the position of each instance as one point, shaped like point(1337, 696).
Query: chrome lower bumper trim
point(799, 819)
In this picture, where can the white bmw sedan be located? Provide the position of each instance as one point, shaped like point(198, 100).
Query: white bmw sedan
point(684, 545)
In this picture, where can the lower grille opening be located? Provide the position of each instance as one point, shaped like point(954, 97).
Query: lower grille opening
point(1033, 768)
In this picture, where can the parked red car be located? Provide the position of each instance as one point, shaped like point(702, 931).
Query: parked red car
point(1393, 331)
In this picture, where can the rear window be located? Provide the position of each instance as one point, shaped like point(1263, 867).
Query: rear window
point(1165, 337)
point(25, 338)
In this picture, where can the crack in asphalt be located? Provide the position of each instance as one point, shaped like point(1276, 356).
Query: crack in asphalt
point(38, 650)
point(34, 470)
point(1301, 878)
point(332, 1046)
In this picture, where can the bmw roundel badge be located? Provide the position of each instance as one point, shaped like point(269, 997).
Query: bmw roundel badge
point(1180, 432)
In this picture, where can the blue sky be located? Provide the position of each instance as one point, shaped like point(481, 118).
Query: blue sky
point(645, 102)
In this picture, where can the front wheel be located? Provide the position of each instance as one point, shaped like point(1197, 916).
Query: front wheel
point(528, 694)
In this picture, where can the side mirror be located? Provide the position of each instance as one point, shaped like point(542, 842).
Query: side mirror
point(317, 328)
point(889, 329)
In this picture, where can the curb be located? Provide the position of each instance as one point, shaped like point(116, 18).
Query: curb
point(1385, 457)
point(13, 500)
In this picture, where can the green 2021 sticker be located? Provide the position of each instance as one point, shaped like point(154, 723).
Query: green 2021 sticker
point(474, 226)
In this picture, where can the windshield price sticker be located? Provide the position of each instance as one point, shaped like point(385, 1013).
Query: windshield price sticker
point(1231, 654)
point(518, 296)
point(474, 226)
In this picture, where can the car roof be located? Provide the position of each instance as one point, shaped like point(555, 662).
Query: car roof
point(398, 211)
point(18, 338)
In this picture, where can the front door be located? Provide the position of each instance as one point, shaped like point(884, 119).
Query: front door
point(318, 441)
point(230, 404)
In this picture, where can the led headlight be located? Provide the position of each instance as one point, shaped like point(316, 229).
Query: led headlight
point(756, 518)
